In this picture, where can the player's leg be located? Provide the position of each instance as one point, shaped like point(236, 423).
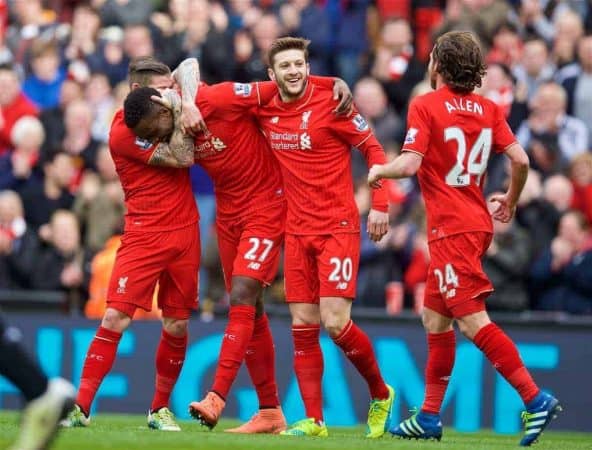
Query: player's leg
point(177, 297)
point(502, 353)
point(301, 279)
point(260, 362)
point(99, 361)
point(138, 264)
point(47, 401)
point(357, 347)
point(426, 423)
point(259, 260)
point(338, 260)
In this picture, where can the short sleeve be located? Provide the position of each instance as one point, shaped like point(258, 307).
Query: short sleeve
point(353, 128)
point(124, 143)
point(418, 134)
point(238, 96)
point(502, 134)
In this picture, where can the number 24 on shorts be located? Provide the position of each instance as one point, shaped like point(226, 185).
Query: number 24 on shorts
point(447, 281)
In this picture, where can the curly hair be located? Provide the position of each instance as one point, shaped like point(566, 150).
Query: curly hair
point(138, 105)
point(458, 59)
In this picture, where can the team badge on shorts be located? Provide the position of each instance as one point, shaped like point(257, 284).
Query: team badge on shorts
point(242, 89)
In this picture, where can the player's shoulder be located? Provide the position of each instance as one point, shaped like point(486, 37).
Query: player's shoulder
point(120, 136)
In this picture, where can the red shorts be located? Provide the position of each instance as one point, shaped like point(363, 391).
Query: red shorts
point(250, 247)
point(170, 258)
point(321, 266)
point(456, 284)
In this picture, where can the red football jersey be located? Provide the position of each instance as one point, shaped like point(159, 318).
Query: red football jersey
point(157, 198)
point(313, 146)
point(234, 152)
point(455, 135)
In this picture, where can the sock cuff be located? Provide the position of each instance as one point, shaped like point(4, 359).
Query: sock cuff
point(344, 331)
point(448, 337)
point(242, 311)
point(174, 341)
point(108, 335)
point(484, 335)
point(304, 328)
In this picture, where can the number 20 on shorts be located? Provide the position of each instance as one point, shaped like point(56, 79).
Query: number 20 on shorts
point(447, 281)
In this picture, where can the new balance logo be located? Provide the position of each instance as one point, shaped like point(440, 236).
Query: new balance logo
point(230, 337)
point(176, 362)
point(305, 142)
point(95, 357)
point(218, 143)
point(254, 265)
point(121, 285)
point(342, 286)
point(274, 119)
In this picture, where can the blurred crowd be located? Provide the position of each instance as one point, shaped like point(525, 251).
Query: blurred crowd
point(63, 68)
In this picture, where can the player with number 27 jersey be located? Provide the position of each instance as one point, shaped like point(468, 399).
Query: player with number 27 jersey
point(455, 134)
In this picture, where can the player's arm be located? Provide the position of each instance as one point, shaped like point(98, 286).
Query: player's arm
point(187, 77)
point(405, 165)
point(179, 150)
point(518, 175)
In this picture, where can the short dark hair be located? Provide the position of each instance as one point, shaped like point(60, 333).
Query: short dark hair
point(459, 61)
point(141, 70)
point(288, 43)
point(138, 105)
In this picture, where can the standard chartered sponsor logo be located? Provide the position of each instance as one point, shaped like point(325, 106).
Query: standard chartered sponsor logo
point(290, 141)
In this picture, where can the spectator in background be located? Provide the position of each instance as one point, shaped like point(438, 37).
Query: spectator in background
point(306, 19)
point(13, 105)
point(535, 68)
point(78, 141)
point(579, 86)
point(551, 137)
point(370, 98)
point(32, 22)
point(533, 21)
point(581, 178)
point(19, 246)
point(44, 83)
point(562, 275)
point(123, 12)
point(206, 38)
point(99, 202)
point(42, 197)
point(506, 46)
point(395, 64)
point(137, 41)
point(18, 166)
point(109, 57)
point(506, 263)
point(61, 265)
point(251, 53)
point(82, 41)
point(569, 28)
point(98, 94)
point(53, 119)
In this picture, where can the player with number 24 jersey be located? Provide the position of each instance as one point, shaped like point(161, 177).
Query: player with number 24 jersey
point(455, 134)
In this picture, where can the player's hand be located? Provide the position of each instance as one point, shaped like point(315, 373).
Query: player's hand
point(505, 210)
point(377, 227)
point(342, 92)
point(191, 119)
point(374, 176)
point(169, 98)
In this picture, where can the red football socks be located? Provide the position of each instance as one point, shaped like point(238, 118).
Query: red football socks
point(98, 363)
point(169, 362)
point(260, 361)
point(357, 347)
point(308, 366)
point(238, 333)
point(441, 353)
point(503, 354)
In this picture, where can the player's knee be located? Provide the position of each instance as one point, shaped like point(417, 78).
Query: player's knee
point(175, 327)
point(244, 293)
point(114, 320)
point(334, 324)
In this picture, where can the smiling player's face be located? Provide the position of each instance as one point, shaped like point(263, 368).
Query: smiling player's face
point(290, 70)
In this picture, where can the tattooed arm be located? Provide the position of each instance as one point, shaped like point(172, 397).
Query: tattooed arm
point(187, 78)
point(178, 152)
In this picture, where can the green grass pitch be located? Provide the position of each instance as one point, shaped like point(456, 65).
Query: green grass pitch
point(129, 432)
